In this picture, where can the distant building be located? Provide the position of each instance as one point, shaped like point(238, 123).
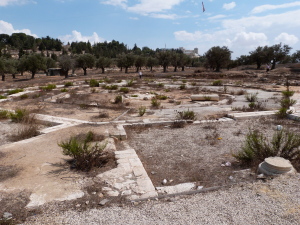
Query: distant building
point(192, 53)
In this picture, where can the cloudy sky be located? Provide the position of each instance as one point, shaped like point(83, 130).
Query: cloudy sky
point(241, 25)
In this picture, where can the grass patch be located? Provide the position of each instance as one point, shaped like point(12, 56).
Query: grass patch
point(4, 114)
point(49, 87)
point(94, 83)
point(64, 90)
point(111, 87)
point(161, 97)
point(3, 97)
point(15, 91)
point(24, 96)
point(217, 83)
point(124, 89)
point(68, 84)
point(186, 115)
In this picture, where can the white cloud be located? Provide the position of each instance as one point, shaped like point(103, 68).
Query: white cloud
point(248, 40)
point(17, 2)
point(134, 18)
point(77, 36)
point(286, 38)
point(276, 21)
point(229, 6)
point(122, 3)
point(217, 17)
point(264, 8)
point(153, 6)
point(7, 28)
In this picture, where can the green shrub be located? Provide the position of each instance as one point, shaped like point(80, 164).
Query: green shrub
point(24, 96)
point(19, 115)
point(118, 99)
point(64, 90)
point(111, 87)
point(217, 83)
point(182, 87)
point(4, 114)
point(49, 87)
point(129, 83)
point(142, 110)
point(252, 97)
point(28, 130)
point(3, 97)
point(134, 96)
point(167, 90)
point(184, 81)
point(256, 148)
point(15, 91)
point(286, 102)
point(160, 85)
point(161, 97)
point(94, 83)
point(186, 115)
point(124, 89)
point(155, 103)
point(68, 84)
point(85, 155)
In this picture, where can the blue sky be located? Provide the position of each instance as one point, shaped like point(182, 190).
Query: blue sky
point(241, 25)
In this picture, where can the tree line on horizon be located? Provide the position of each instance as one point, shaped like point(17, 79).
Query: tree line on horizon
point(84, 55)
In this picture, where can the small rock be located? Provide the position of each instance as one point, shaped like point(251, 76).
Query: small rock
point(87, 202)
point(113, 193)
point(153, 172)
point(100, 195)
point(171, 181)
point(261, 176)
point(7, 215)
point(164, 181)
point(199, 187)
point(78, 205)
point(103, 202)
point(230, 177)
point(93, 193)
point(127, 192)
point(227, 164)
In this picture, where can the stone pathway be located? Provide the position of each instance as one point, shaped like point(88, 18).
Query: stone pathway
point(129, 178)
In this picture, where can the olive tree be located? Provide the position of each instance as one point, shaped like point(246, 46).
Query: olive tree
point(66, 63)
point(85, 61)
point(103, 62)
point(218, 57)
point(33, 63)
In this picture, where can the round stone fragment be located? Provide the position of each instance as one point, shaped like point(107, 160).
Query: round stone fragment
point(275, 166)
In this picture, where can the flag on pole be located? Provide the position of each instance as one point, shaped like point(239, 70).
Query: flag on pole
point(203, 8)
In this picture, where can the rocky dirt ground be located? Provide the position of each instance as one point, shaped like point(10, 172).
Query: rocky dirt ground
point(194, 153)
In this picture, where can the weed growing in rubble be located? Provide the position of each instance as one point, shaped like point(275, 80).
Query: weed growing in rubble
point(124, 89)
point(118, 99)
point(286, 102)
point(85, 154)
point(15, 91)
point(93, 83)
point(155, 103)
point(49, 87)
point(4, 114)
point(142, 110)
point(256, 148)
point(252, 97)
point(3, 97)
point(217, 83)
point(186, 115)
point(68, 84)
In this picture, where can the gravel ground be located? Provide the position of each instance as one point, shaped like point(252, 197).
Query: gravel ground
point(273, 202)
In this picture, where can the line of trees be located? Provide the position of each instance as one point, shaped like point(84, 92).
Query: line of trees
point(103, 55)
